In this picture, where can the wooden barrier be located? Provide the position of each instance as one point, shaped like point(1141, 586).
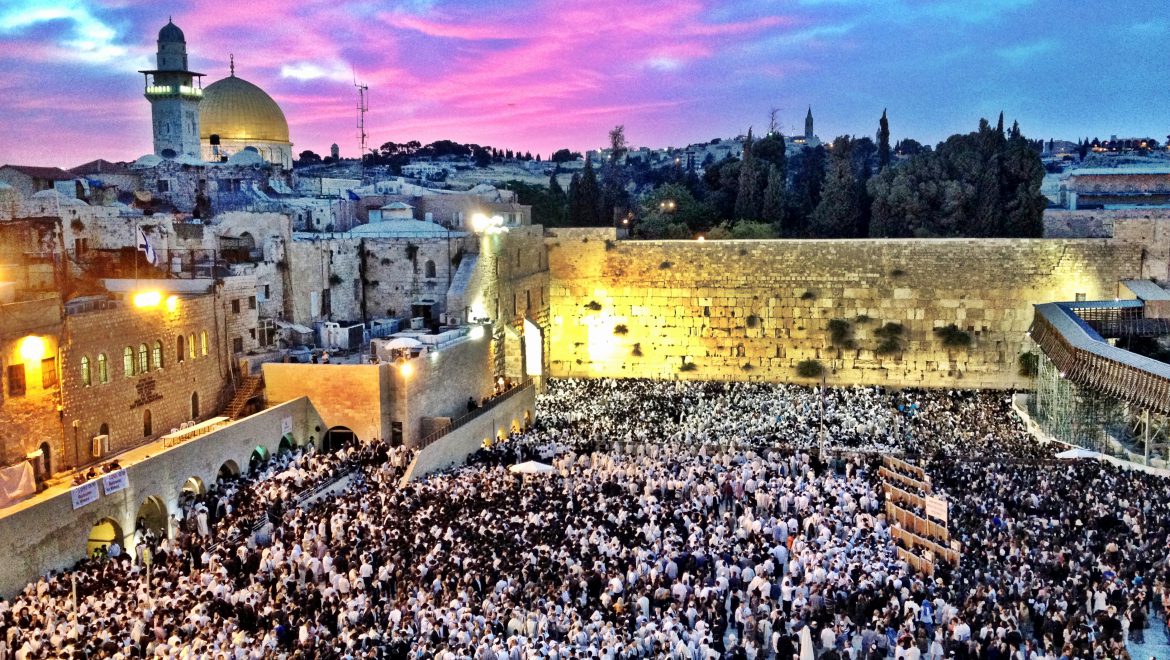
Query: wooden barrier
point(909, 520)
point(913, 540)
point(888, 474)
point(917, 563)
point(902, 466)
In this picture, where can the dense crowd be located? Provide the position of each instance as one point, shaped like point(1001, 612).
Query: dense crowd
point(682, 520)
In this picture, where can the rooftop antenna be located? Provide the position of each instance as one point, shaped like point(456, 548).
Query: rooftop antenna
point(232, 59)
point(363, 106)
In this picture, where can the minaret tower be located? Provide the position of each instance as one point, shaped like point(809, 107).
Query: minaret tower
point(174, 94)
point(808, 125)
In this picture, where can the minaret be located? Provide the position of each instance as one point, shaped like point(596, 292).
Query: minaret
point(174, 94)
point(808, 125)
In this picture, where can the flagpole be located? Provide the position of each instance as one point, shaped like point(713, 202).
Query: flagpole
point(137, 235)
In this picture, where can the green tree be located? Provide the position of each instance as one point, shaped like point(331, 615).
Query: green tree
point(883, 139)
point(747, 201)
point(589, 198)
point(808, 175)
point(837, 214)
point(673, 204)
point(548, 205)
point(772, 207)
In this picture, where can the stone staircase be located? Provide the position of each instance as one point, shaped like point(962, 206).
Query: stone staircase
point(248, 388)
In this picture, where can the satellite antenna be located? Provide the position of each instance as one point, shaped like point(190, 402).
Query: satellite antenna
point(363, 106)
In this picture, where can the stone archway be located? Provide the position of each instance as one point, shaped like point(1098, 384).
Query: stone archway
point(286, 443)
point(103, 533)
point(230, 469)
point(194, 486)
point(336, 438)
point(258, 458)
point(151, 516)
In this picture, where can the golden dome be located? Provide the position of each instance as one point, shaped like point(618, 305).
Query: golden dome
point(235, 109)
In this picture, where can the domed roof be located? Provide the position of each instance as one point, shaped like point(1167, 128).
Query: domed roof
point(235, 109)
point(171, 33)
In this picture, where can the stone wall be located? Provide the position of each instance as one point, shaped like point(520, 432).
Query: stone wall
point(46, 533)
point(1147, 227)
point(753, 310)
point(454, 448)
point(349, 395)
point(122, 402)
point(393, 279)
point(30, 418)
point(324, 264)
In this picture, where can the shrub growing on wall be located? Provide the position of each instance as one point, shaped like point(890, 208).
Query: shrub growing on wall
point(752, 320)
point(688, 366)
point(953, 337)
point(841, 333)
point(1029, 364)
point(593, 305)
point(620, 329)
point(890, 335)
point(810, 369)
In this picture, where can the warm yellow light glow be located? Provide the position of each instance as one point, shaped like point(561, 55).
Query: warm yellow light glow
point(477, 332)
point(32, 348)
point(702, 238)
point(147, 299)
point(172, 303)
point(479, 222)
point(406, 369)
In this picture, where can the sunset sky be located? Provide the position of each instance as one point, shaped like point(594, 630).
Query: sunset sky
point(542, 74)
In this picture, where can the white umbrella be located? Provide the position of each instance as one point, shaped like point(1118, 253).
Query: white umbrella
point(531, 467)
point(1078, 452)
point(403, 342)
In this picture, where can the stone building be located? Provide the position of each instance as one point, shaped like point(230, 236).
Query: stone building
point(27, 180)
point(135, 368)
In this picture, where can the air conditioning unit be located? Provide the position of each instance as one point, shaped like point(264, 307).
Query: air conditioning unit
point(417, 323)
point(101, 445)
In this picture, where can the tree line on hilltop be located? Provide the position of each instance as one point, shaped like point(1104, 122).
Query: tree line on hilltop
point(980, 184)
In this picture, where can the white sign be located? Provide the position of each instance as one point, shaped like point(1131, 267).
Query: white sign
point(936, 508)
point(114, 482)
point(286, 425)
point(84, 494)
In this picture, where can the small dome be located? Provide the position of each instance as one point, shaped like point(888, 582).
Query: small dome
point(171, 33)
point(247, 156)
point(147, 161)
point(235, 109)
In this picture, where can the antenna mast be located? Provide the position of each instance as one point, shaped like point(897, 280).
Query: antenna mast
point(363, 106)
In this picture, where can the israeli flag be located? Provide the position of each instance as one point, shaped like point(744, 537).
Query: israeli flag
point(145, 248)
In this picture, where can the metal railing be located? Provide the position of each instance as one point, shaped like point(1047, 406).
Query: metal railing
point(471, 415)
point(302, 497)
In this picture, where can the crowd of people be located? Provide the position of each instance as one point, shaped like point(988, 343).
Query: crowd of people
point(683, 520)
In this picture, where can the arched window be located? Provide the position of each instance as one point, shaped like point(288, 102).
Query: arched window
point(128, 361)
point(194, 405)
point(104, 429)
point(181, 348)
point(143, 359)
point(103, 368)
point(85, 377)
point(203, 343)
point(147, 426)
point(191, 346)
point(429, 269)
point(157, 355)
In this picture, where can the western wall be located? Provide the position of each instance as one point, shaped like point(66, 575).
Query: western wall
point(754, 310)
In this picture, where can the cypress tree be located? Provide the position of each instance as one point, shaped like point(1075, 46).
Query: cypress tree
point(747, 201)
point(576, 218)
point(883, 141)
point(590, 197)
point(837, 214)
point(772, 208)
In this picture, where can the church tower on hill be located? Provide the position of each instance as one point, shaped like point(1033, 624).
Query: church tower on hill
point(808, 125)
point(174, 93)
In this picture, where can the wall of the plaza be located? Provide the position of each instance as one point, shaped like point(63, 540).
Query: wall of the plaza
point(349, 395)
point(753, 310)
point(30, 390)
point(121, 403)
point(454, 448)
point(46, 533)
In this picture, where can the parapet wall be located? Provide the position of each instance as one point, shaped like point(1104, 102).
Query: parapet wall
point(753, 310)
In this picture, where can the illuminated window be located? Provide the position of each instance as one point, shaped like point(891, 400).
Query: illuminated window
point(16, 380)
point(143, 359)
point(85, 378)
point(128, 361)
point(191, 346)
point(103, 368)
point(157, 355)
point(203, 343)
point(49, 373)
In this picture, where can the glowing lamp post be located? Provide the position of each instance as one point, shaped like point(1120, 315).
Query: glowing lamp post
point(406, 369)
